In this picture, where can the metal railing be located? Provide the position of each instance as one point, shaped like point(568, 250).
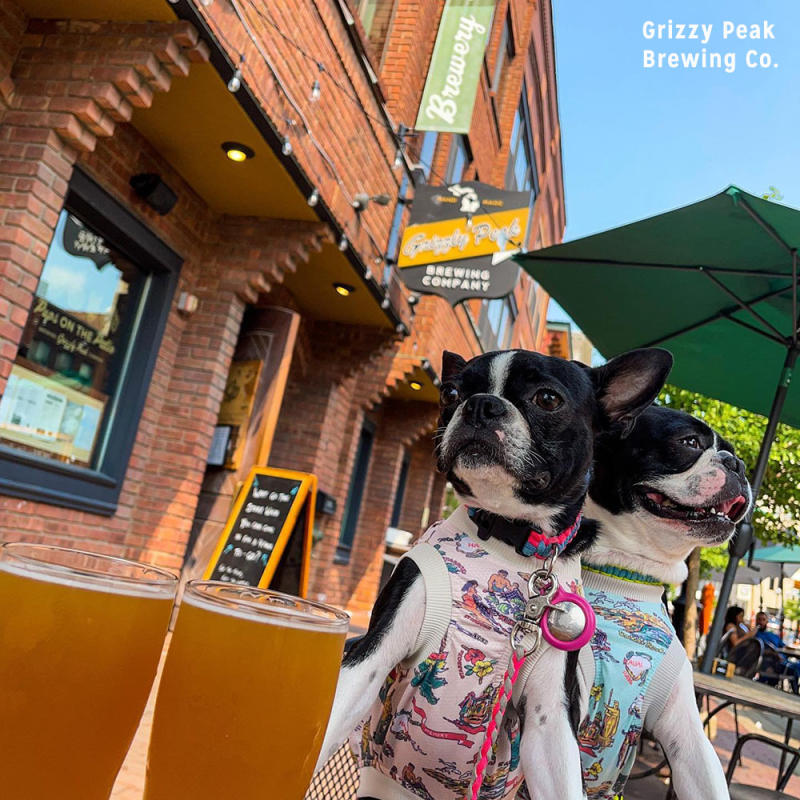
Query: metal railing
point(338, 779)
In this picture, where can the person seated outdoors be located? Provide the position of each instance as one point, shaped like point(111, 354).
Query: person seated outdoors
point(734, 622)
point(776, 660)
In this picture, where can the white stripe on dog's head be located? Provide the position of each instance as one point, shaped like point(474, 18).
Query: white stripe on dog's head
point(498, 372)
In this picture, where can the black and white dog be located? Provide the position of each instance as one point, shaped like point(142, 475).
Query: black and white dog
point(670, 485)
point(516, 441)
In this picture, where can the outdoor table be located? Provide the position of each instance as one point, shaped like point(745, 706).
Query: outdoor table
point(746, 692)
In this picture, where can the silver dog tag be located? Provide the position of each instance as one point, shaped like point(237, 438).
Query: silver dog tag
point(566, 621)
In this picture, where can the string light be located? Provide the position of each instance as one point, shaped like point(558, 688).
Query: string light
point(343, 243)
point(313, 198)
point(316, 91)
point(286, 147)
point(206, 3)
point(235, 83)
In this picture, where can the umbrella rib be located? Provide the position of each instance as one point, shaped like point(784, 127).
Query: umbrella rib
point(745, 306)
point(779, 340)
point(794, 299)
point(745, 273)
point(761, 222)
point(725, 313)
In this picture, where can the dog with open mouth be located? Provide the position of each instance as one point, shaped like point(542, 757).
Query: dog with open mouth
point(419, 694)
point(670, 485)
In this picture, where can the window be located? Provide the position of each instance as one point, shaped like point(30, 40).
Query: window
point(355, 493)
point(399, 495)
point(394, 232)
point(496, 323)
point(458, 161)
point(376, 16)
point(505, 52)
point(70, 409)
point(521, 173)
point(427, 152)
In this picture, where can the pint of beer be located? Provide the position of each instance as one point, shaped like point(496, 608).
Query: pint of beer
point(245, 695)
point(80, 639)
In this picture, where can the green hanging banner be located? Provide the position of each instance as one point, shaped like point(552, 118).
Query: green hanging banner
point(456, 65)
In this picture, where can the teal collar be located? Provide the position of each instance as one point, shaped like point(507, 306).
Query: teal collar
point(622, 574)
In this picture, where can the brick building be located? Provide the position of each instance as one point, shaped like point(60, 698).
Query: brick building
point(130, 308)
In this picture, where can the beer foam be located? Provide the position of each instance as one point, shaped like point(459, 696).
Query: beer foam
point(285, 618)
point(95, 582)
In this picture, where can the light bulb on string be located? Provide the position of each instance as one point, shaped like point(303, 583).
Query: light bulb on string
point(313, 198)
point(206, 3)
point(235, 83)
point(316, 91)
point(286, 147)
point(343, 243)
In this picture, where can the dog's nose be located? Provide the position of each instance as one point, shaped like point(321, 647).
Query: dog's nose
point(482, 408)
point(731, 462)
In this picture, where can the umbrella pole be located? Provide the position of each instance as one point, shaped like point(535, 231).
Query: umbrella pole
point(743, 537)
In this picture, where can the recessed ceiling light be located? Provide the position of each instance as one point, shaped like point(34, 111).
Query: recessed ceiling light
point(344, 289)
point(415, 385)
point(236, 151)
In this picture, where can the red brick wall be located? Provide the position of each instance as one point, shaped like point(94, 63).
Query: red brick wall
point(159, 494)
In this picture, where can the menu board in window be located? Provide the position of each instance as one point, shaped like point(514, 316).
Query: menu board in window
point(266, 541)
point(64, 378)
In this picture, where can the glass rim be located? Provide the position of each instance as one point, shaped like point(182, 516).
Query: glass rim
point(25, 554)
point(311, 612)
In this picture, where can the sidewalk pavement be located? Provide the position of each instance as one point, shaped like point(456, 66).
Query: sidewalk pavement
point(759, 767)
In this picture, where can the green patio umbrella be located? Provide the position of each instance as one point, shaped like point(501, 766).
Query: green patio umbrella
point(778, 554)
point(715, 282)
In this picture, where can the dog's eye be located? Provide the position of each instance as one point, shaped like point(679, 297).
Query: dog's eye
point(548, 399)
point(692, 441)
point(449, 395)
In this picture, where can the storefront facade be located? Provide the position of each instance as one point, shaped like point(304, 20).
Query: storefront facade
point(171, 316)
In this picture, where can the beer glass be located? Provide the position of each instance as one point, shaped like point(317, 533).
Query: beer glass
point(80, 639)
point(245, 695)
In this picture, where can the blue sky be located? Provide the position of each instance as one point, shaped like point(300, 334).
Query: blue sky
point(640, 141)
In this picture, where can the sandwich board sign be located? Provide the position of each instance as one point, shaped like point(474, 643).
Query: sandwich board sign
point(266, 541)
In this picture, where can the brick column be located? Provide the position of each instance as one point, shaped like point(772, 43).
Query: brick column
point(71, 81)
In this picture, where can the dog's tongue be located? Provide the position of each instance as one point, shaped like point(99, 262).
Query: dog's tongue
point(656, 497)
point(726, 505)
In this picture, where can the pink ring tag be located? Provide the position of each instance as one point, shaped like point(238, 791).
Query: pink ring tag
point(589, 621)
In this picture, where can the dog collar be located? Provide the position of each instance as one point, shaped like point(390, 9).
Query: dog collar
point(536, 544)
point(622, 574)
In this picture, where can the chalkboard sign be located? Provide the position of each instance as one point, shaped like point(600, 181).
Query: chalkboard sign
point(266, 540)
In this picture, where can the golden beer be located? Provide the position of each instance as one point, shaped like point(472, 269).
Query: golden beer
point(80, 640)
point(245, 695)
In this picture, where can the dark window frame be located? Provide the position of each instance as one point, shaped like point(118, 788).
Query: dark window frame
point(355, 492)
point(489, 337)
point(524, 142)
point(506, 51)
point(459, 143)
point(400, 491)
point(97, 489)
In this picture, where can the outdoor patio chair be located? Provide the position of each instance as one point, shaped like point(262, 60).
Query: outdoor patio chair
point(775, 670)
point(743, 791)
point(747, 656)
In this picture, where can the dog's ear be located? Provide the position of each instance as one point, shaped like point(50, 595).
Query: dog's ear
point(628, 384)
point(452, 365)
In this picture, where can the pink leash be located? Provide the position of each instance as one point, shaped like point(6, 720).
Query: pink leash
point(545, 596)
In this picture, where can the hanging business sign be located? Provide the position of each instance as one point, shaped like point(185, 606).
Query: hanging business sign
point(460, 239)
point(456, 65)
point(80, 241)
